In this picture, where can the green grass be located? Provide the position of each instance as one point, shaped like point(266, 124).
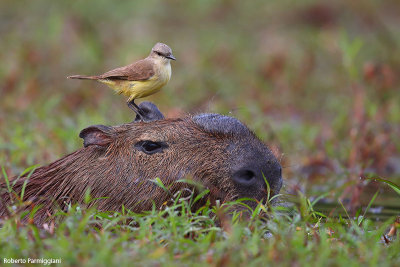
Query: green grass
point(177, 236)
point(316, 80)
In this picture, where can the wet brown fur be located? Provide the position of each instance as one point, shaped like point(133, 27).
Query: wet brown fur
point(120, 172)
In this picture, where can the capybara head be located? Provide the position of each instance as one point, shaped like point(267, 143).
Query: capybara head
point(121, 163)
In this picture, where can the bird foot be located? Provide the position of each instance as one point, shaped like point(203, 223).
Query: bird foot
point(131, 104)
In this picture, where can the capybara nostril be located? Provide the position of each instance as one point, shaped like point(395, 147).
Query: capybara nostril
point(244, 176)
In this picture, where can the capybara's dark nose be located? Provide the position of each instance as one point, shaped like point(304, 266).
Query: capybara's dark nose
point(251, 176)
point(245, 176)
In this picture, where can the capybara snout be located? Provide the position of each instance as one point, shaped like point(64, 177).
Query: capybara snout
point(119, 164)
point(252, 165)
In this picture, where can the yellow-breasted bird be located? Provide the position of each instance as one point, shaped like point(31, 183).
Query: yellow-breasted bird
point(139, 79)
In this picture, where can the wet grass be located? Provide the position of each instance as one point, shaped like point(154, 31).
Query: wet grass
point(176, 236)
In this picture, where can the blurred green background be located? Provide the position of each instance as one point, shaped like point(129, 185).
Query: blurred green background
point(318, 81)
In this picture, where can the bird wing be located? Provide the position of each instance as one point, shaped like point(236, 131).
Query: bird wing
point(139, 71)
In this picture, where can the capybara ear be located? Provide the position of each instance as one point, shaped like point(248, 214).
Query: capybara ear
point(150, 112)
point(99, 135)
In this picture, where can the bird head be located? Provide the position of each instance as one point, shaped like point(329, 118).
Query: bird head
point(162, 50)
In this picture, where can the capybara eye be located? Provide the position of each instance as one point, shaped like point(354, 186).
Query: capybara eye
point(150, 147)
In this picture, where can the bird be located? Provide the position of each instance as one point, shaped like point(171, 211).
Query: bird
point(139, 79)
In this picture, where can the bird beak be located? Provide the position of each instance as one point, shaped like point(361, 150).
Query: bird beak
point(171, 57)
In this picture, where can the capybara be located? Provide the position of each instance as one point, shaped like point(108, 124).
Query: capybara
point(119, 165)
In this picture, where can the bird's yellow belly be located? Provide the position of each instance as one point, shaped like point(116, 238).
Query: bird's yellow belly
point(139, 89)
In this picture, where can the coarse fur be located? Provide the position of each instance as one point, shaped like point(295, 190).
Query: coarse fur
point(216, 151)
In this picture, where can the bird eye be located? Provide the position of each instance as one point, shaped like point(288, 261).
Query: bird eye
point(150, 147)
point(158, 53)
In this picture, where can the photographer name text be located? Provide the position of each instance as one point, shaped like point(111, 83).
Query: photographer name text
point(32, 261)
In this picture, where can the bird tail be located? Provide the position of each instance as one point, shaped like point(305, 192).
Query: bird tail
point(83, 77)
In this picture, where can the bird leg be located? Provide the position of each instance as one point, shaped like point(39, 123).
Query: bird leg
point(131, 104)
